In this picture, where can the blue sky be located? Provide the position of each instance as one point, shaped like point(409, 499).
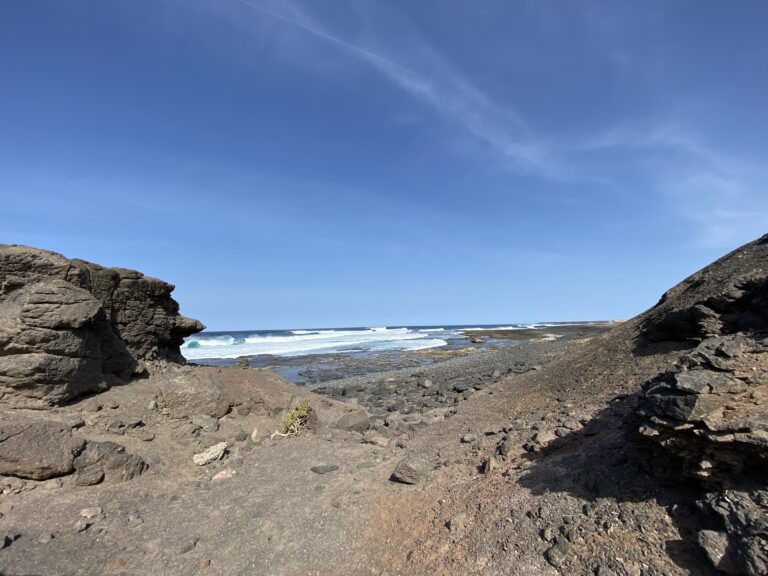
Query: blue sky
point(355, 162)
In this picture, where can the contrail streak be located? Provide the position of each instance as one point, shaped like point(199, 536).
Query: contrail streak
point(360, 51)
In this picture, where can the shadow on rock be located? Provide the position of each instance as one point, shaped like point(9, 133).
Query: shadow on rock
point(607, 464)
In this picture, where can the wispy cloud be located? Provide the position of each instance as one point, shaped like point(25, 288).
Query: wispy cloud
point(313, 29)
point(717, 196)
point(442, 89)
point(721, 196)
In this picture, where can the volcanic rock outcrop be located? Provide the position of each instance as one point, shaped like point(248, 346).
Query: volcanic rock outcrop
point(68, 327)
point(710, 412)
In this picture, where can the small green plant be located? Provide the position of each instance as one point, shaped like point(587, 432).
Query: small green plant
point(295, 419)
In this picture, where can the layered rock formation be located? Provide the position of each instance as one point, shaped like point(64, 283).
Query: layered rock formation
point(68, 327)
point(710, 412)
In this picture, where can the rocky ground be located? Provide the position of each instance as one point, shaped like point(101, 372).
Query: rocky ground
point(413, 391)
point(640, 451)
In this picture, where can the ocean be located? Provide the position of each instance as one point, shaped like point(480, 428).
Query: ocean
point(300, 342)
point(311, 356)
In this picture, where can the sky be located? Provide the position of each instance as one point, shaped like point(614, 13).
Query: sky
point(298, 163)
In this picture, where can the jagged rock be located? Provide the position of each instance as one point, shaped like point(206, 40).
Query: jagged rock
point(68, 327)
point(715, 545)
point(90, 512)
point(709, 417)
point(37, 450)
point(727, 297)
point(557, 554)
point(713, 419)
point(744, 513)
point(109, 462)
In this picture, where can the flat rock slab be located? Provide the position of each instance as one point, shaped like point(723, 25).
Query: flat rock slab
point(37, 450)
point(195, 393)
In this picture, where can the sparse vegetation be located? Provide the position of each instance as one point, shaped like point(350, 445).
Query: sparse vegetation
point(295, 419)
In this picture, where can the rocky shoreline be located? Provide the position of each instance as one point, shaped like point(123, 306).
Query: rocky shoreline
point(634, 450)
point(449, 382)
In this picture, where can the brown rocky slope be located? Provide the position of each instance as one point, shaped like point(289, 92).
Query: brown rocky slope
point(642, 451)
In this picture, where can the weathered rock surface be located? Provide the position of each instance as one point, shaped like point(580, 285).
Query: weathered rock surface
point(412, 469)
point(37, 449)
point(215, 452)
point(68, 327)
point(710, 412)
point(728, 296)
point(108, 462)
point(191, 393)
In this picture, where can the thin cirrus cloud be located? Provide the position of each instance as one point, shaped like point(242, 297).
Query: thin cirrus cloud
point(698, 184)
point(445, 92)
point(718, 195)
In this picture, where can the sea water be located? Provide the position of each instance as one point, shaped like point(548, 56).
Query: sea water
point(300, 342)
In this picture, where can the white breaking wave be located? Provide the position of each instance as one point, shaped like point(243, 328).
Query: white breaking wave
point(300, 342)
point(522, 327)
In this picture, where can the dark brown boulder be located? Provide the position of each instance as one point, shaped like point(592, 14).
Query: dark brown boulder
point(68, 327)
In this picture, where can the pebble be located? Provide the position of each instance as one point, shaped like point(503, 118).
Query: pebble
point(458, 522)
point(74, 421)
point(489, 465)
point(207, 423)
point(506, 447)
point(412, 469)
point(53, 484)
point(558, 553)
point(468, 438)
point(543, 437)
point(188, 546)
point(91, 512)
point(215, 452)
point(324, 468)
point(143, 435)
point(7, 539)
point(241, 436)
point(223, 475)
point(82, 525)
point(112, 404)
point(376, 439)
